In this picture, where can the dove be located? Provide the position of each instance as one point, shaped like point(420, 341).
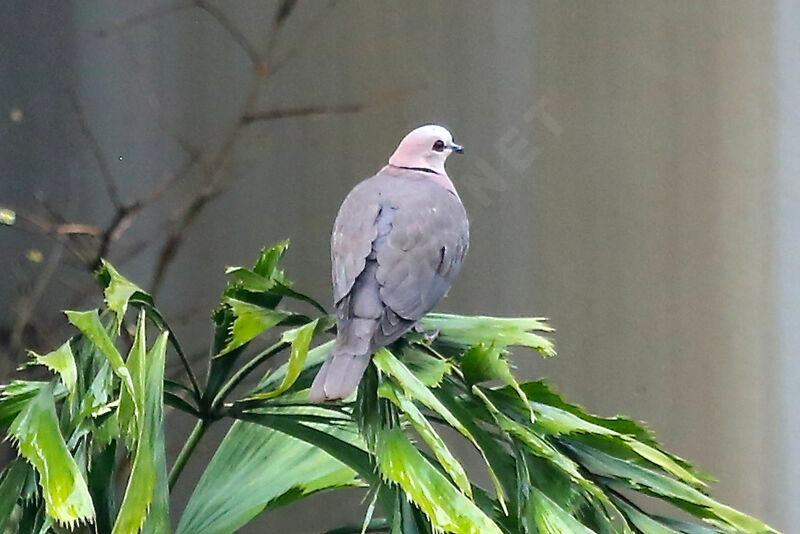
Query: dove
point(398, 242)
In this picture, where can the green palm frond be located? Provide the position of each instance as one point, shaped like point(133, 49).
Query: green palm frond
point(553, 467)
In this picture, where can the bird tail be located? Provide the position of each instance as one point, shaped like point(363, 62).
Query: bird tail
point(339, 375)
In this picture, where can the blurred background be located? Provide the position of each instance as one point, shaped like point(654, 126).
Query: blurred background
point(632, 172)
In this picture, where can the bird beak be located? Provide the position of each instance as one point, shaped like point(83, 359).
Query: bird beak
point(458, 149)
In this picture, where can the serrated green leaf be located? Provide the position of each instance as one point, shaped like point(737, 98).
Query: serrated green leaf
point(662, 460)
point(96, 399)
point(498, 332)
point(102, 485)
point(543, 466)
point(231, 492)
point(158, 520)
point(447, 508)
point(429, 369)
point(565, 419)
point(300, 338)
point(283, 290)
point(131, 405)
point(643, 522)
point(118, 291)
point(536, 444)
point(679, 493)
point(688, 528)
point(250, 321)
point(541, 448)
point(11, 486)
point(17, 394)
point(564, 423)
point(540, 391)
point(483, 363)
point(550, 518)
point(89, 323)
point(499, 464)
point(449, 463)
point(146, 471)
point(107, 431)
point(314, 359)
point(267, 264)
point(139, 493)
point(62, 362)
point(38, 438)
point(415, 389)
point(342, 442)
point(250, 280)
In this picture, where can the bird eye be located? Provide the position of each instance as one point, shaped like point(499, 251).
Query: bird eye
point(438, 146)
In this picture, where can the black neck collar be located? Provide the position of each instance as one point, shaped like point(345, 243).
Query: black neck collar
point(420, 169)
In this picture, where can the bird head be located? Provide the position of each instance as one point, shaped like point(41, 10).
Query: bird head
point(426, 148)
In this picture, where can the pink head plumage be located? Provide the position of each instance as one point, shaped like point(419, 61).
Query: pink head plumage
point(426, 147)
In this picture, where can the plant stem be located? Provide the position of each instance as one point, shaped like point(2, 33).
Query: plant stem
point(245, 370)
point(187, 450)
point(376, 525)
point(160, 322)
point(187, 366)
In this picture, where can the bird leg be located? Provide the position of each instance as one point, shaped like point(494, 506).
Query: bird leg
point(429, 337)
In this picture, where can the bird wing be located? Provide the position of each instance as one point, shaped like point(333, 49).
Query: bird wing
point(421, 255)
point(354, 231)
point(402, 238)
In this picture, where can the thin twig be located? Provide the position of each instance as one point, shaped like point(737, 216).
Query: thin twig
point(97, 152)
point(154, 102)
point(273, 114)
point(171, 178)
point(76, 229)
point(238, 37)
point(147, 16)
point(125, 215)
point(216, 180)
point(119, 224)
point(55, 228)
point(303, 39)
point(51, 229)
point(89, 243)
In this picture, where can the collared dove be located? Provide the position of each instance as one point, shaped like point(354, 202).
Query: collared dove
point(398, 242)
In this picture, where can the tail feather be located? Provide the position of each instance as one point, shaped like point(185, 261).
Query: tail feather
point(339, 376)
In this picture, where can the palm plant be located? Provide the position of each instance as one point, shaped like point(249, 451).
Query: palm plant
point(554, 468)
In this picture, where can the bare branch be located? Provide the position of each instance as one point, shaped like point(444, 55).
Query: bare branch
point(154, 102)
point(234, 32)
point(213, 171)
point(76, 229)
point(170, 178)
point(97, 152)
point(284, 10)
point(90, 243)
point(311, 29)
point(122, 220)
point(185, 219)
point(61, 232)
point(273, 114)
point(155, 13)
